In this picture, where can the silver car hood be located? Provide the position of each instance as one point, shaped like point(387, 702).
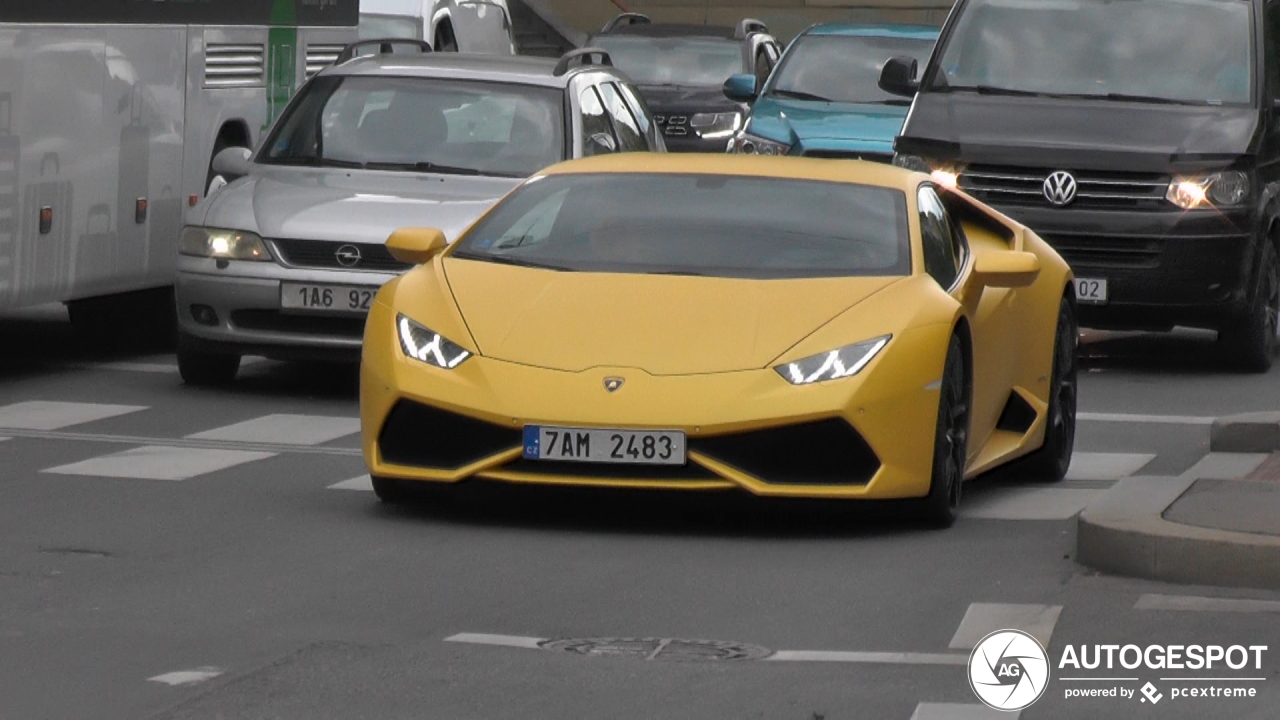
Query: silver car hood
point(362, 206)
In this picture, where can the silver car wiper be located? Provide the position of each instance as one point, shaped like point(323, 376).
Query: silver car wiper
point(422, 166)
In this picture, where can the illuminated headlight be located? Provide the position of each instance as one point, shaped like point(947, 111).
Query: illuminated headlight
point(222, 244)
point(432, 348)
point(945, 175)
point(839, 363)
point(716, 125)
point(1230, 187)
point(752, 145)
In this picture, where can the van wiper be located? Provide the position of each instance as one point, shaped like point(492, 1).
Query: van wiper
point(1125, 97)
point(799, 95)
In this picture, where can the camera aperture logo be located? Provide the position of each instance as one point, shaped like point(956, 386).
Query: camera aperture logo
point(1008, 670)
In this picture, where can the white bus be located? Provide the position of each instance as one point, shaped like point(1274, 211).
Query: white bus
point(110, 113)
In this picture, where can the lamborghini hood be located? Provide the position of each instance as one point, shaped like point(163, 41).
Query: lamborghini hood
point(662, 324)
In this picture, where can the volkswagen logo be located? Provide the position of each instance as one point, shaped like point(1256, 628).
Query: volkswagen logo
point(613, 383)
point(1060, 188)
point(348, 256)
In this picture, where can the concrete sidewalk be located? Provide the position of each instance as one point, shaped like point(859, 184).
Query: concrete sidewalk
point(1217, 524)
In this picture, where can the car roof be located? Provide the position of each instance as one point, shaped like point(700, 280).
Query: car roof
point(795, 168)
point(518, 69)
point(921, 32)
point(672, 30)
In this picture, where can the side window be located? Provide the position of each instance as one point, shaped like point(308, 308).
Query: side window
point(640, 110)
point(630, 138)
point(597, 132)
point(944, 251)
point(763, 67)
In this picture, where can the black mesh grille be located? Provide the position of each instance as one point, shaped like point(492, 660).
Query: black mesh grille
point(423, 436)
point(826, 452)
point(276, 321)
point(324, 254)
point(690, 471)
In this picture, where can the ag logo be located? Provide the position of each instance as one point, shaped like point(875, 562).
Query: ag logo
point(1008, 670)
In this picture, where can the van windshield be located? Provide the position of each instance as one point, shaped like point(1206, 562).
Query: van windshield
point(1185, 51)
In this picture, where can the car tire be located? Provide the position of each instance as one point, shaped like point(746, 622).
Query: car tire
point(950, 441)
point(398, 492)
point(1251, 342)
point(1051, 461)
point(207, 369)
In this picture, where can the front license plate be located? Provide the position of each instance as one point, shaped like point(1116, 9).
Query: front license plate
point(338, 299)
point(644, 447)
point(1091, 290)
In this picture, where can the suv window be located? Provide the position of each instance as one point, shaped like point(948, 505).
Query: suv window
point(597, 131)
point(944, 251)
point(628, 132)
point(640, 110)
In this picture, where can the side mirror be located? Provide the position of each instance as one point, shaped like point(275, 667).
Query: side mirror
point(232, 163)
point(741, 88)
point(604, 141)
point(1006, 269)
point(898, 76)
point(416, 245)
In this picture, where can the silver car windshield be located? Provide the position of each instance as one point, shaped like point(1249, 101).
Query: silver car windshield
point(1191, 51)
point(421, 124)
point(674, 60)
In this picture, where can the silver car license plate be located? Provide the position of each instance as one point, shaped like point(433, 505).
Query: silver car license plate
point(598, 445)
point(324, 298)
point(1091, 290)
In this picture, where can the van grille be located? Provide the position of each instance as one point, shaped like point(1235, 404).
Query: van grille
point(673, 125)
point(1001, 185)
point(320, 57)
point(233, 65)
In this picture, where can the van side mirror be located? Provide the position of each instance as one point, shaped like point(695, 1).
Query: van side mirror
point(416, 245)
point(741, 88)
point(1006, 269)
point(232, 163)
point(898, 76)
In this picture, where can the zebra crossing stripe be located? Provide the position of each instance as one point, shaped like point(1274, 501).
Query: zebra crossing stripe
point(54, 415)
point(356, 483)
point(282, 429)
point(152, 462)
point(959, 711)
point(982, 619)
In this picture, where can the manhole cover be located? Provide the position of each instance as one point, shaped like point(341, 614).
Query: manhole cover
point(660, 649)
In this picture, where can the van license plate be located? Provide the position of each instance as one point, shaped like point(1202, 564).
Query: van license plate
point(1091, 291)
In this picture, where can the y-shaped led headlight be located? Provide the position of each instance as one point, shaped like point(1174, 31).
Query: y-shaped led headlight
point(432, 348)
point(839, 363)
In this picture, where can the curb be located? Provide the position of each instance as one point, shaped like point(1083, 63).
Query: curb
point(1247, 433)
point(1124, 532)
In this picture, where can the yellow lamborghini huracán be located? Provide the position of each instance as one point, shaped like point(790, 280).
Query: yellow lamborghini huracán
point(783, 326)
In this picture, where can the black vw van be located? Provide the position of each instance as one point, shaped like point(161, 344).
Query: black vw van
point(1140, 138)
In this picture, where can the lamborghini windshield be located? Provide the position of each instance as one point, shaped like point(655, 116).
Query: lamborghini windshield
point(713, 225)
point(1190, 51)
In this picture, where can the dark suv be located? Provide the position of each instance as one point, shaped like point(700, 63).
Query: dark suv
point(680, 70)
point(1150, 165)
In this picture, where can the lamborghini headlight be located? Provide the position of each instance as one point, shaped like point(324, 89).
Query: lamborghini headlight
point(752, 145)
point(710, 126)
point(222, 244)
point(432, 348)
point(839, 363)
point(1230, 187)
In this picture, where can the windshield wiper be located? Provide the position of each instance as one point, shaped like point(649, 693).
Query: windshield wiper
point(508, 260)
point(993, 90)
point(421, 166)
point(311, 161)
point(800, 95)
point(1125, 97)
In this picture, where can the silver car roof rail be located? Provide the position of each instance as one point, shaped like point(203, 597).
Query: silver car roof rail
point(624, 19)
point(583, 55)
point(749, 26)
point(386, 46)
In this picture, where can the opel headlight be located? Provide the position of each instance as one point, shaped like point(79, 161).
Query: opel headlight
point(840, 363)
point(751, 145)
point(1230, 187)
point(222, 244)
point(710, 126)
point(432, 348)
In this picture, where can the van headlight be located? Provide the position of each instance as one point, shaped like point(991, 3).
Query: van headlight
point(1229, 187)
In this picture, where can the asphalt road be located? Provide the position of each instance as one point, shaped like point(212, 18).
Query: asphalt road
point(169, 552)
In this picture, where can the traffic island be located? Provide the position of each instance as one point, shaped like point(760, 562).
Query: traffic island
point(1193, 530)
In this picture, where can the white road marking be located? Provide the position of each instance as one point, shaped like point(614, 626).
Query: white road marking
point(1153, 419)
point(183, 442)
point(958, 711)
point(153, 462)
point(982, 619)
point(1028, 504)
point(1106, 466)
point(52, 415)
point(1153, 601)
point(1225, 466)
point(356, 483)
point(875, 658)
point(188, 677)
point(285, 430)
point(516, 641)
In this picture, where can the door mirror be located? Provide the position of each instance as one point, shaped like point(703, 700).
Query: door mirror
point(416, 245)
point(1006, 269)
point(232, 163)
point(741, 88)
point(898, 76)
point(603, 142)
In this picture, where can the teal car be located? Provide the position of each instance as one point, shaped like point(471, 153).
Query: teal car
point(823, 99)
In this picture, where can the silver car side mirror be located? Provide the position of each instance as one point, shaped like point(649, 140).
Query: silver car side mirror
point(232, 163)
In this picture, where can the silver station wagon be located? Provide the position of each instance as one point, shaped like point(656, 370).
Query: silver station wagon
point(284, 261)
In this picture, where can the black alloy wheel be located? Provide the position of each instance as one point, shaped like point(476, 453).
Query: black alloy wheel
point(951, 441)
point(1250, 344)
point(1051, 461)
